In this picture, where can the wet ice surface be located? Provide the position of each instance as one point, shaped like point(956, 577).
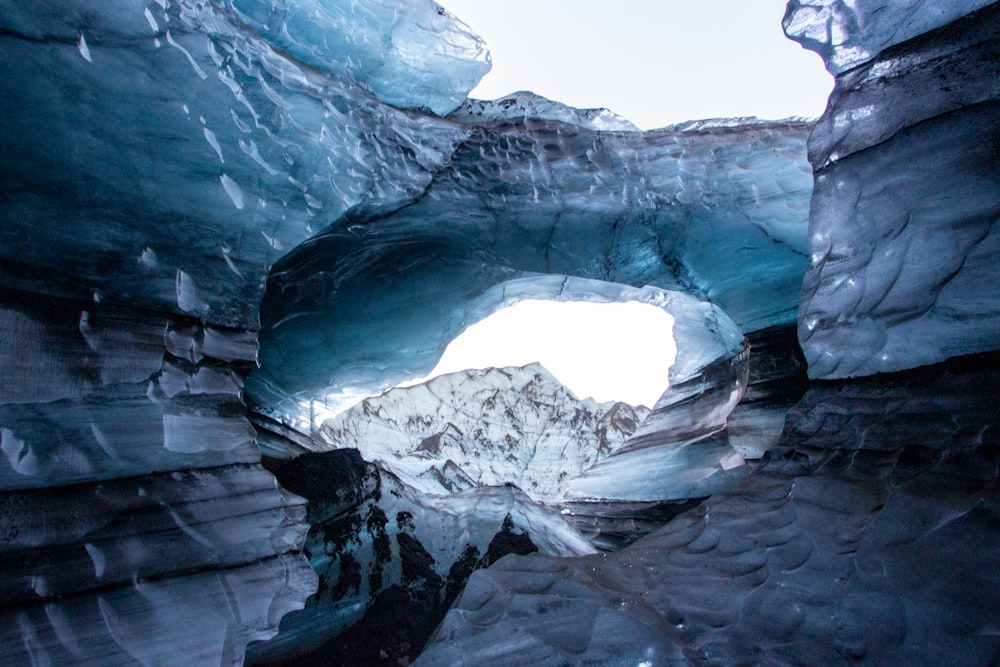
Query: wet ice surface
point(409, 55)
point(869, 534)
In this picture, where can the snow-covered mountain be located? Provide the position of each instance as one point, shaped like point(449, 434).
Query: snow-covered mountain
point(496, 426)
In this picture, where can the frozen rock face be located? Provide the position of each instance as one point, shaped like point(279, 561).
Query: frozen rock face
point(903, 235)
point(516, 426)
point(391, 560)
point(871, 534)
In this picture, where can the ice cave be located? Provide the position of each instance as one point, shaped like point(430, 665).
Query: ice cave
point(232, 229)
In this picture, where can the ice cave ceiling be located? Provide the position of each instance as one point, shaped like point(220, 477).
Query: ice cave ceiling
point(219, 217)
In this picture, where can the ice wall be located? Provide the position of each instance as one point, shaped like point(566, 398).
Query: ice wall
point(846, 34)
point(903, 234)
point(409, 55)
point(157, 158)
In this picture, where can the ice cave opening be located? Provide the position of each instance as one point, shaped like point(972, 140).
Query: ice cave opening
point(604, 351)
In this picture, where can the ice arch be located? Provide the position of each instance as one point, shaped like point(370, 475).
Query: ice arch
point(345, 319)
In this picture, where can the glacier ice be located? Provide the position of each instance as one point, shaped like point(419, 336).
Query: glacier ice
point(901, 268)
point(846, 34)
point(409, 55)
point(186, 156)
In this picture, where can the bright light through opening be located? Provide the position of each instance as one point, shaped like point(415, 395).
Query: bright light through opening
point(606, 351)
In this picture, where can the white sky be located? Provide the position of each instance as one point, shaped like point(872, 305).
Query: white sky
point(655, 62)
point(607, 351)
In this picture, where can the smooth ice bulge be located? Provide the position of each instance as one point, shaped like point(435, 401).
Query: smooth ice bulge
point(409, 55)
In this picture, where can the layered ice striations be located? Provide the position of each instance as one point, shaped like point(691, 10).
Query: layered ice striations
point(158, 158)
point(903, 236)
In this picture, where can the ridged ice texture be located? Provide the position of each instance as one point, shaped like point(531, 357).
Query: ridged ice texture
point(128, 464)
point(408, 54)
point(92, 392)
point(204, 618)
point(903, 234)
point(157, 159)
point(846, 34)
point(183, 154)
point(872, 535)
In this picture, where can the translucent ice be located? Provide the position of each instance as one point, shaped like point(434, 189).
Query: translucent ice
point(410, 55)
point(846, 34)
